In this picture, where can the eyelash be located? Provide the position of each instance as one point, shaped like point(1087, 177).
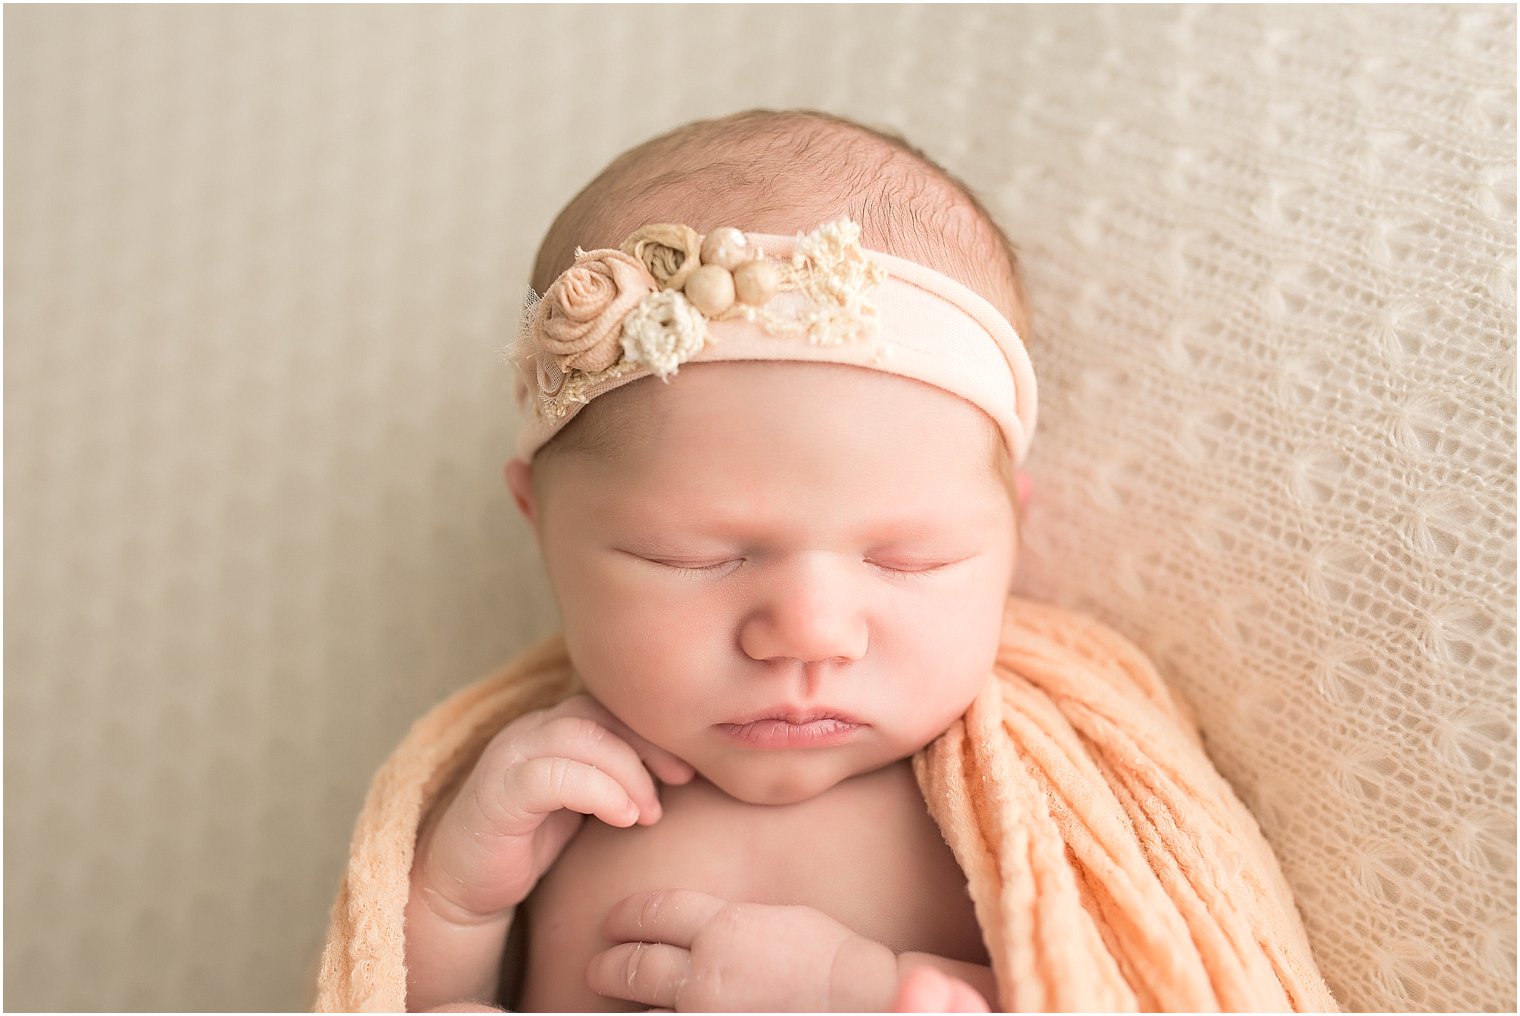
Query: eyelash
point(900, 572)
point(684, 570)
point(909, 573)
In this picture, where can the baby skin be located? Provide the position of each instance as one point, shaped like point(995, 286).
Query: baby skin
point(771, 607)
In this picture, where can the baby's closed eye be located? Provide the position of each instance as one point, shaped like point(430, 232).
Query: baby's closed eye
point(891, 566)
point(912, 567)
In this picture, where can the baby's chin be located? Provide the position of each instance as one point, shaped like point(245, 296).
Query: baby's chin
point(782, 781)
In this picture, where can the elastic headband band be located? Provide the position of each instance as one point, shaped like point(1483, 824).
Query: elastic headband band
point(670, 296)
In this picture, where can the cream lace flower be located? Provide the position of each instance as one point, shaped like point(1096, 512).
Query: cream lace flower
point(663, 332)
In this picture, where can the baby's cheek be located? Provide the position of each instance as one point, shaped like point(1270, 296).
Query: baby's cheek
point(647, 623)
point(647, 649)
point(965, 644)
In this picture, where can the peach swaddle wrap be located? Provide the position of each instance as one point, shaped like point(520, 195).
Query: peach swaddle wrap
point(1111, 866)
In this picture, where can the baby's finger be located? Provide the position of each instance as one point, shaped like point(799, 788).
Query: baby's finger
point(925, 989)
point(587, 741)
point(650, 974)
point(922, 989)
point(541, 786)
point(965, 998)
point(671, 916)
point(668, 767)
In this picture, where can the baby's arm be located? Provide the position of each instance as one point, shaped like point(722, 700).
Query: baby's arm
point(689, 951)
point(505, 826)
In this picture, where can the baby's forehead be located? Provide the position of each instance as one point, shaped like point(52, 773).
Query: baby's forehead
point(744, 414)
point(872, 401)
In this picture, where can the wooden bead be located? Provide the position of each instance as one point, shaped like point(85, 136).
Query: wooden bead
point(755, 282)
point(710, 289)
point(725, 247)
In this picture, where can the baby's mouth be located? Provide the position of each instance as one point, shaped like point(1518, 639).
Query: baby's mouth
point(786, 727)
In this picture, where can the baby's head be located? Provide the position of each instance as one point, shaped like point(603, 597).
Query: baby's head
point(785, 571)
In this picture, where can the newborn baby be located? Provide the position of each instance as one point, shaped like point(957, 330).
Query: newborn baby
point(775, 407)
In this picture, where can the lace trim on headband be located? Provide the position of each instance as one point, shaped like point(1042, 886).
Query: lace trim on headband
point(646, 305)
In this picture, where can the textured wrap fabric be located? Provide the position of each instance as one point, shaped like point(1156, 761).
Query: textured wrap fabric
point(363, 966)
point(1111, 867)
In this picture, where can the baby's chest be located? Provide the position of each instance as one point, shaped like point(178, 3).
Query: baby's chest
point(866, 853)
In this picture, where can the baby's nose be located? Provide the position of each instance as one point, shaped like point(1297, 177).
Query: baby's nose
point(811, 610)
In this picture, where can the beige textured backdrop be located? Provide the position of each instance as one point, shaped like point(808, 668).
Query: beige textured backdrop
point(259, 261)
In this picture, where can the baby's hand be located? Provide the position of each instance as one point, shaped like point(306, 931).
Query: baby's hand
point(526, 797)
point(687, 951)
point(925, 989)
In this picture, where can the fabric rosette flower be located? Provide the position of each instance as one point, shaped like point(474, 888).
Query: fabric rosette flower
point(669, 251)
point(580, 318)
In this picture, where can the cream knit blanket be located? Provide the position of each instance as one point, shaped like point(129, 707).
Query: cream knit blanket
point(1112, 868)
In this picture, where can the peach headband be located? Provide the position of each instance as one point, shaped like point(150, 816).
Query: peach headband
point(670, 295)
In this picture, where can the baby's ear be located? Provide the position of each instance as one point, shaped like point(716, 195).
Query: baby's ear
point(1025, 486)
point(519, 476)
